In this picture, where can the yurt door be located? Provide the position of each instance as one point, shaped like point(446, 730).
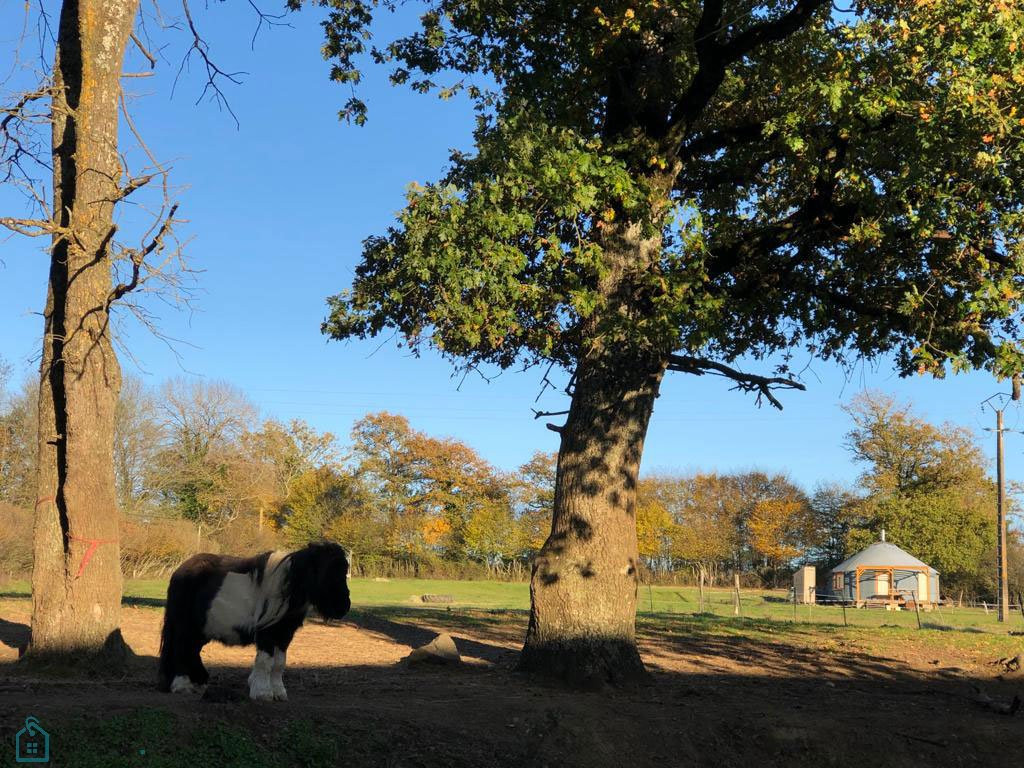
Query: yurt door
point(922, 587)
point(882, 584)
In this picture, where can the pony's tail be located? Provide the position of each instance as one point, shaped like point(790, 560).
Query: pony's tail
point(172, 616)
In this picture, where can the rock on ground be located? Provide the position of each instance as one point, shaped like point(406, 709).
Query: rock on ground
point(440, 650)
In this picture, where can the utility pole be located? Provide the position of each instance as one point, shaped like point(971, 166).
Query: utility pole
point(1004, 588)
point(1001, 577)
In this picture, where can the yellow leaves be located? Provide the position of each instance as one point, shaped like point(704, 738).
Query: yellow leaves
point(988, 138)
point(608, 215)
point(653, 527)
point(435, 529)
point(776, 526)
point(924, 113)
point(617, 26)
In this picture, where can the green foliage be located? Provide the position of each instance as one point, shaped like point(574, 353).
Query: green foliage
point(953, 533)
point(903, 452)
point(848, 183)
point(316, 500)
point(511, 283)
point(927, 487)
point(492, 536)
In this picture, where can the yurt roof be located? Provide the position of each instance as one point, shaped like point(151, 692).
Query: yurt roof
point(880, 553)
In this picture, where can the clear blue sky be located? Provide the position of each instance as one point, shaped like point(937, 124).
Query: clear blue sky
point(276, 212)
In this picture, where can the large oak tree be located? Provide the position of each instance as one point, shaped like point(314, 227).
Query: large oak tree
point(686, 186)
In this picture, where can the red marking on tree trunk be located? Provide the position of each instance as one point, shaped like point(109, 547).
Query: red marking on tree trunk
point(90, 550)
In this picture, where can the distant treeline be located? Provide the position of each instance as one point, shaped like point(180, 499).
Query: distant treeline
point(198, 470)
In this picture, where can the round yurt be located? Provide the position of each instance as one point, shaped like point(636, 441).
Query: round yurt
point(883, 575)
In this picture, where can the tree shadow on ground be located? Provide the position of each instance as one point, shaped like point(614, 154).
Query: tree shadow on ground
point(382, 623)
point(483, 716)
point(727, 692)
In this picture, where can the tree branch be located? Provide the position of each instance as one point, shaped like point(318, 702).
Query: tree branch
point(745, 382)
point(144, 51)
point(213, 72)
point(137, 256)
point(771, 31)
point(541, 414)
point(29, 227)
point(713, 58)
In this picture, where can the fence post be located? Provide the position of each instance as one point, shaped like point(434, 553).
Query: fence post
point(794, 603)
point(845, 623)
point(736, 602)
point(650, 595)
point(917, 608)
point(701, 582)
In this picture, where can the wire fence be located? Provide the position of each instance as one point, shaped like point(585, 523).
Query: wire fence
point(780, 606)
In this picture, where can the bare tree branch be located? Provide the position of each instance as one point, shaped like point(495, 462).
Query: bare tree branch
point(144, 51)
point(745, 382)
point(137, 257)
point(541, 414)
point(213, 72)
point(270, 19)
point(29, 227)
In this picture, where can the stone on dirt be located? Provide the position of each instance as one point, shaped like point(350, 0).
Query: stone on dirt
point(440, 650)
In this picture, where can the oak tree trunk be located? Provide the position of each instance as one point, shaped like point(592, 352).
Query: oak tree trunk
point(76, 579)
point(583, 590)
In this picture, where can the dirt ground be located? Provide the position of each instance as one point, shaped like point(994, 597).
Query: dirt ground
point(720, 695)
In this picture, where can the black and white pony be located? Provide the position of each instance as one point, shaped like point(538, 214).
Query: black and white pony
point(259, 600)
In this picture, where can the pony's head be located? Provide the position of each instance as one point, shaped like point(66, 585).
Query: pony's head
point(322, 571)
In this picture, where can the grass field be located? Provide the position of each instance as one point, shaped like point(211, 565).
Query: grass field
point(652, 601)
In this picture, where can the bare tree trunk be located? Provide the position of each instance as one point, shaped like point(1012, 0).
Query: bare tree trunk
point(76, 581)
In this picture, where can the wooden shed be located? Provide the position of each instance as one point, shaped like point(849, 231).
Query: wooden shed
point(884, 575)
